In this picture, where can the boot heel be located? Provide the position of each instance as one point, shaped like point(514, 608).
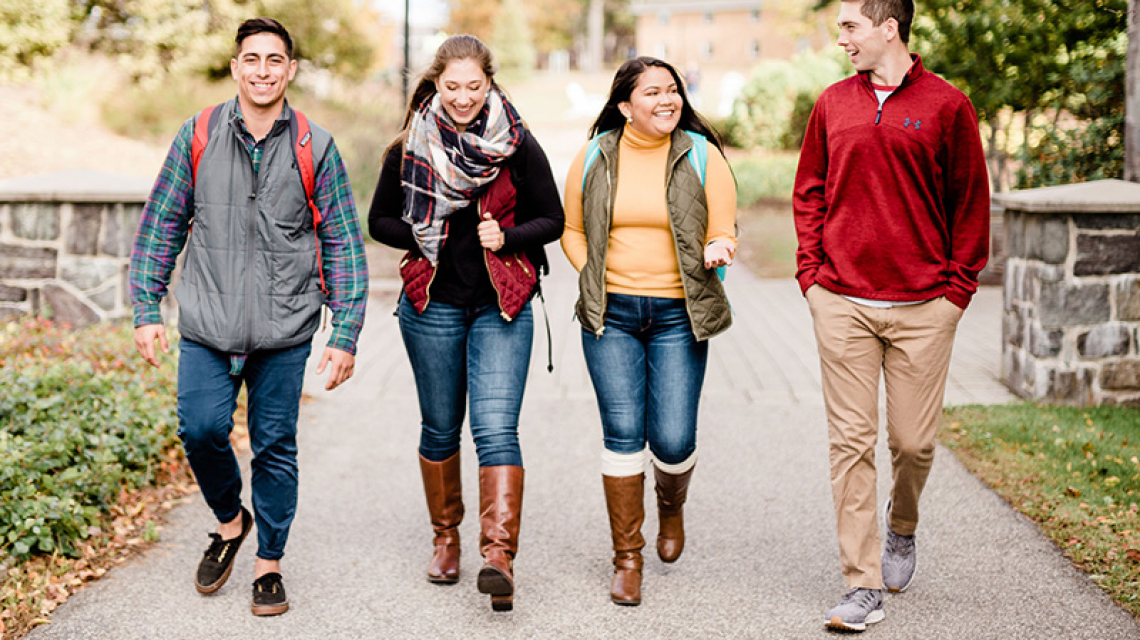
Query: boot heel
point(502, 603)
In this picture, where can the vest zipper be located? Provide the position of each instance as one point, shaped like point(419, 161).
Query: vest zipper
point(606, 247)
point(487, 262)
point(251, 231)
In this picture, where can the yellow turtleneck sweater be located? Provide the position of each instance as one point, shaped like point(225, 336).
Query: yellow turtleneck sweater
point(642, 259)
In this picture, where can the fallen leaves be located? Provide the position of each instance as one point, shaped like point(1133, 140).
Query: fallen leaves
point(31, 591)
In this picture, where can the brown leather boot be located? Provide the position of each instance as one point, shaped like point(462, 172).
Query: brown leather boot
point(625, 502)
point(671, 493)
point(445, 506)
point(500, 509)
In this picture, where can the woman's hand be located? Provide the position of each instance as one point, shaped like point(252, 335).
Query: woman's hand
point(490, 234)
point(719, 254)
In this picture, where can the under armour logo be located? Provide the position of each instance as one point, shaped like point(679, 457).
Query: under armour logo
point(917, 124)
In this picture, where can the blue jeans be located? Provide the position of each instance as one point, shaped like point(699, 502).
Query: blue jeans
point(207, 398)
point(458, 352)
point(647, 369)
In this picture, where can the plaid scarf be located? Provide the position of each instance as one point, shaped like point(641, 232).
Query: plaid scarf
point(445, 170)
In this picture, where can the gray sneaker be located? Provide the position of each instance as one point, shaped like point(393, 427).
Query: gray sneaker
point(859, 608)
point(899, 558)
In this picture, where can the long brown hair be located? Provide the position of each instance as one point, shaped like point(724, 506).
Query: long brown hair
point(461, 47)
point(622, 88)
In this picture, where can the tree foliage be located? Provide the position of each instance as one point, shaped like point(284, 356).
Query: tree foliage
point(512, 43)
point(475, 17)
point(1058, 64)
point(30, 29)
point(770, 111)
point(158, 37)
point(553, 24)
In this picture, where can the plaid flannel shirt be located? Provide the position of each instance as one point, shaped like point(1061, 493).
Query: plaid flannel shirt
point(165, 224)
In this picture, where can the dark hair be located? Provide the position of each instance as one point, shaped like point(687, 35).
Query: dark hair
point(254, 26)
point(461, 47)
point(879, 10)
point(622, 88)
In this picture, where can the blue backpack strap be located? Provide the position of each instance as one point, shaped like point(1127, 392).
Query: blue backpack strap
point(593, 150)
point(699, 154)
point(699, 157)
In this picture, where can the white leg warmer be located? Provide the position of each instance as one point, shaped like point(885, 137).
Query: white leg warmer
point(621, 465)
point(679, 468)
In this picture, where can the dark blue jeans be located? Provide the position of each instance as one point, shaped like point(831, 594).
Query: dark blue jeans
point(457, 353)
point(647, 369)
point(207, 398)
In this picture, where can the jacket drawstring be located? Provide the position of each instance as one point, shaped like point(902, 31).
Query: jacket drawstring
point(549, 341)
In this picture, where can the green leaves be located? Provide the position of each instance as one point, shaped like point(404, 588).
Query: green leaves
point(80, 422)
point(1058, 63)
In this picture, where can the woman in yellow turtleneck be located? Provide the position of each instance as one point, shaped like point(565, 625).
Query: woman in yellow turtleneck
point(650, 214)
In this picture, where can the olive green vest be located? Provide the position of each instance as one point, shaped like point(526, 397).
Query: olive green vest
point(705, 300)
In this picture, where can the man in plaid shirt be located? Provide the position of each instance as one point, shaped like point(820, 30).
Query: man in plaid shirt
point(260, 265)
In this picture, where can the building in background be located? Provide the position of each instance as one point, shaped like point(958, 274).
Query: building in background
point(721, 34)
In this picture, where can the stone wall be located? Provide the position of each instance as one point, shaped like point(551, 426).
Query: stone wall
point(1071, 329)
point(66, 260)
point(65, 245)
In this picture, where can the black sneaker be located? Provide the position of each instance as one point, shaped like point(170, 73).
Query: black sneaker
point(218, 561)
point(269, 596)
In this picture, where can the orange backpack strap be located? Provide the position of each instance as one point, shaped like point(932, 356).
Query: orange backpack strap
point(303, 150)
point(303, 153)
point(202, 126)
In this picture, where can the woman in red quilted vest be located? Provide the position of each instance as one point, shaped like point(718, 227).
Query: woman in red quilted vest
point(468, 192)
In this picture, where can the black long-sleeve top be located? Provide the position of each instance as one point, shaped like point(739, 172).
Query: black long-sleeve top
point(461, 277)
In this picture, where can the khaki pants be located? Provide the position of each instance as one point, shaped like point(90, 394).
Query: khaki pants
point(911, 346)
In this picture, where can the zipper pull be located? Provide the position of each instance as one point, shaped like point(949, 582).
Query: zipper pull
point(879, 115)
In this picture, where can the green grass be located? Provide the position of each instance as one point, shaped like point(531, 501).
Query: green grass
point(1073, 471)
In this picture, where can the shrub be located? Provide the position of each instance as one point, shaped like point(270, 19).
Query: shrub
point(767, 176)
point(82, 419)
point(762, 114)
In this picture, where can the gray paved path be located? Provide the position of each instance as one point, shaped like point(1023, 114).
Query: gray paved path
point(760, 560)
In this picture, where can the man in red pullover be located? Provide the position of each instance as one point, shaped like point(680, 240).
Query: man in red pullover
point(892, 214)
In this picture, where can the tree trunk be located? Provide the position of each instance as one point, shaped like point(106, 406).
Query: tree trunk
point(1132, 104)
point(594, 32)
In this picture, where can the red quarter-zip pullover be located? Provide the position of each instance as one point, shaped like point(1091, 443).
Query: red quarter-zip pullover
point(893, 203)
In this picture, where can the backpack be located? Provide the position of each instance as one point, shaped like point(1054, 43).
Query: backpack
point(301, 135)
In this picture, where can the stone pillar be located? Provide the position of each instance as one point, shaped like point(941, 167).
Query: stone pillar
point(65, 245)
point(1071, 326)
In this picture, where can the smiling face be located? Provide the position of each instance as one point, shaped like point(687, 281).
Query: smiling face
point(463, 89)
point(263, 70)
point(864, 42)
point(654, 106)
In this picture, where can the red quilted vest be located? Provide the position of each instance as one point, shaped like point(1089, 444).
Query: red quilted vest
point(512, 274)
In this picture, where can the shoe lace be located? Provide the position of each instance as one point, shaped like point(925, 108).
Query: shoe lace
point(267, 583)
point(865, 598)
point(899, 545)
point(218, 548)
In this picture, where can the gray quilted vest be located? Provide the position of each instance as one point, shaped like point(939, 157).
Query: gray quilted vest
point(250, 280)
point(705, 300)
